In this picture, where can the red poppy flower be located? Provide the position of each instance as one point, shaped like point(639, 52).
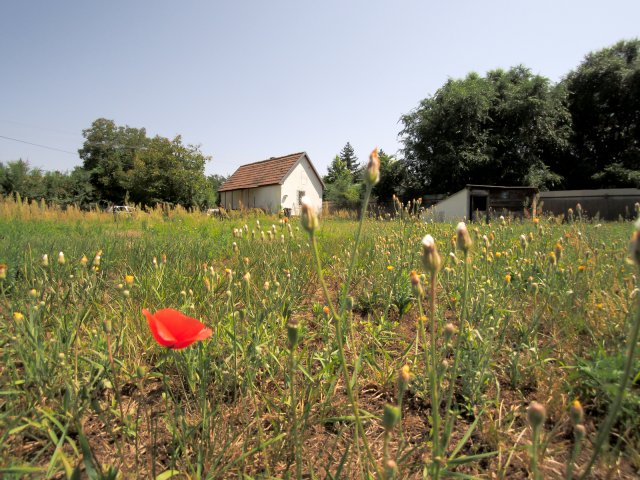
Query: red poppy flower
point(175, 330)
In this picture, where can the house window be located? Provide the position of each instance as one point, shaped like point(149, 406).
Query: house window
point(300, 195)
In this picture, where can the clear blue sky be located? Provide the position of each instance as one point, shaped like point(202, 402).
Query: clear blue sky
point(248, 80)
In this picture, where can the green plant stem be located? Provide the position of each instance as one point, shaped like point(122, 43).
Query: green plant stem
point(294, 421)
point(534, 452)
point(435, 384)
point(605, 429)
point(343, 294)
point(575, 452)
point(457, 349)
point(341, 354)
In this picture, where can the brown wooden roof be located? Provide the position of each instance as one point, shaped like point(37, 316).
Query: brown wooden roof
point(258, 174)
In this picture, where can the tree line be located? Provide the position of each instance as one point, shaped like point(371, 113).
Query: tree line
point(514, 127)
point(120, 165)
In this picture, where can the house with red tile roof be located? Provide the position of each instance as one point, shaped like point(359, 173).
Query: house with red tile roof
point(275, 184)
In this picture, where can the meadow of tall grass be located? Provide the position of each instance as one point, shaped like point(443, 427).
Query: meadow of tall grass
point(386, 348)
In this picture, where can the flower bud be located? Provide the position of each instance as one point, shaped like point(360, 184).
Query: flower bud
point(128, 279)
point(61, 259)
point(45, 260)
point(390, 417)
point(430, 256)
point(84, 260)
point(634, 246)
point(536, 414)
point(463, 239)
point(350, 302)
point(372, 174)
point(3, 271)
point(416, 284)
point(579, 432)
point(449, 330)
point(293, 333)
point(309, 218)
point(523, 241)
point(576, 412)
point(404, 377)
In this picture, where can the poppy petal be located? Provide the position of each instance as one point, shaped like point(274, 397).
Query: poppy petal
point(171, 328)
point(162, 335)
point(202, 335)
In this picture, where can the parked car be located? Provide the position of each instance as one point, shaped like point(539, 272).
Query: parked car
point(121, 209)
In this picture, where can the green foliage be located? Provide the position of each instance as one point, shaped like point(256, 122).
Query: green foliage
point(393, 175)
point(58, 188)
point(337, 168)
point(604, 102)
point(343, 192)
point(597, 378)
point(498, 129)
point(123, 162)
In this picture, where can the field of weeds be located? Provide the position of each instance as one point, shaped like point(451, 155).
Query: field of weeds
point(359, 350)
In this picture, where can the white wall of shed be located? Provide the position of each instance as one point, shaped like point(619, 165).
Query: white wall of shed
point(453, 208)
point(302, 178)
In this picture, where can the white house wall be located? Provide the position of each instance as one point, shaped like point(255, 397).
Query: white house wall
point(267, 198)
point(301, 179)
point(453, 208)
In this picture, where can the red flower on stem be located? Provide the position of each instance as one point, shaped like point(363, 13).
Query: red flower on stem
point(175, 330)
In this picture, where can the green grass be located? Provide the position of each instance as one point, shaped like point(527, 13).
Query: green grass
point(85, 388)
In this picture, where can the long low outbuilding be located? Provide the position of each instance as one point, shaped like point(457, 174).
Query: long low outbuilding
point(606, 204)
point(480, 202)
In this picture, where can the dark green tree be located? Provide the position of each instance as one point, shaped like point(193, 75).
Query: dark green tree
point(167, 171)
point(498, 129)
point(604, 102)
point(108, 155)
point(348, 156)
point(122, 162)
point(214, 182)
point(392, 178)
point(343, 192)
point(336, 170)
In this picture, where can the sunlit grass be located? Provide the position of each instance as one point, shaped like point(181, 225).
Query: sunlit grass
point(297, 381)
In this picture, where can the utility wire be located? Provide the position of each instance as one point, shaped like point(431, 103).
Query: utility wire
point(41, 146)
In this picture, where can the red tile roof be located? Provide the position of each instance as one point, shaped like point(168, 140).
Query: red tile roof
point(258, 174)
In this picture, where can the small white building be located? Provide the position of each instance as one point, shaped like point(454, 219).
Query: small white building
point(278, 183)
point(481, 202)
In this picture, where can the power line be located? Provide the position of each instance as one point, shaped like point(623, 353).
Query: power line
point(41, 146)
